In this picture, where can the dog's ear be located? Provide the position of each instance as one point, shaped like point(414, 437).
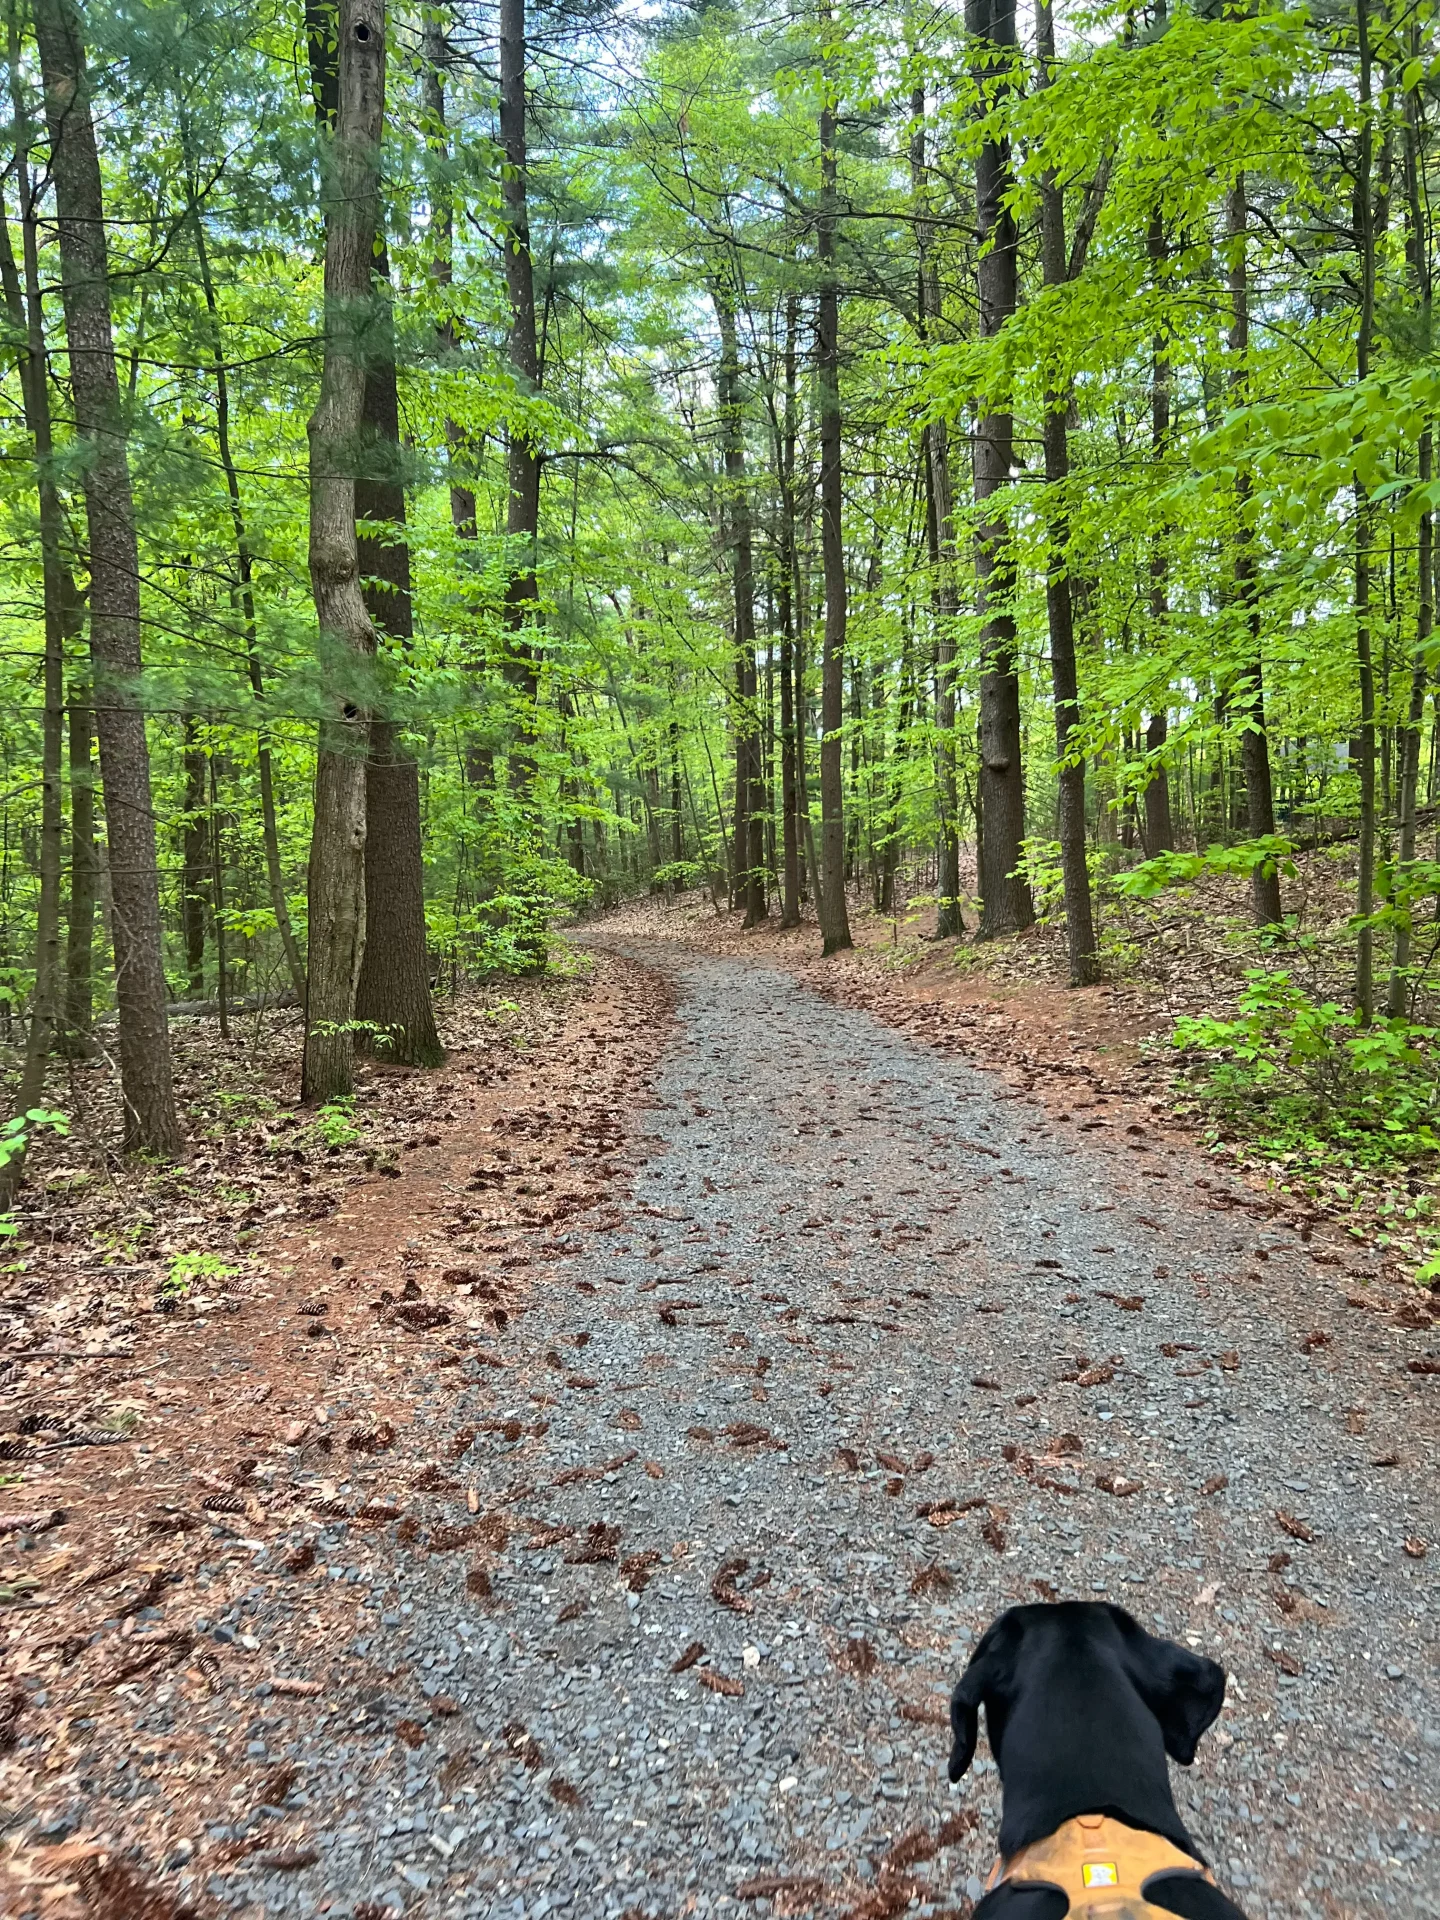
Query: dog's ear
point(1183, 1690)
point(978, 1680)
point(964, 1721)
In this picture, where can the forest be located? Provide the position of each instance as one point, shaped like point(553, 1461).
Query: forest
point(464, 468)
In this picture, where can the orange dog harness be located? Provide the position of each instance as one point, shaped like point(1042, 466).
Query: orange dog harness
point(1101, 1865)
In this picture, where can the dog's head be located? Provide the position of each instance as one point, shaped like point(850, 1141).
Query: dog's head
point(1183, 1690)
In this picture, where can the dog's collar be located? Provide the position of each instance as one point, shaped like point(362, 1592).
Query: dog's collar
point(1101, 1866)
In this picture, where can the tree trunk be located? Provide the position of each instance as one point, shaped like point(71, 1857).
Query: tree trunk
point(84, 876)
point(435, 52)
point(1006, 906)
point(1159, 828)
point(393, 1012)
point(522, 520)
point(1059, 599)
point(27, 321)
point(1254, 741)
point(393, 996)
point(749, 873)
point(217, 900)
point(194, 860)
point(244, 568)
point(834, 917)
point(151, 1124)
point(790, 743)
point(347, 637)
point(1418, 260)
point(940, 533)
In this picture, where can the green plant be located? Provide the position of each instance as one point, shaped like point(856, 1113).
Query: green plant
point(1303, 1080)
point(1041, 867)
point(335, 1123)
point(186, 1268)
point(684, 874)
point(1270, 853)
point(381, 1034)
point(15, 1133)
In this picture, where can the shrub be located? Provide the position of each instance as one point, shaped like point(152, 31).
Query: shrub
point(1303, 1080)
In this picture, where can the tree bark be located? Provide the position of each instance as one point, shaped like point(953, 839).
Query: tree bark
point(1006, 906)
point(749, 872)
point(940, 530)
point(790, 743)
point(522, 520)
point(393, 1012)
point(1254, 740)
point(84, 872)
point(27, 321)
point(194, 860)
point(1159, 827)
point(436, 54)
point(1418, 262)
point(347, 637)
point(244, 569)
point(1059, 599)
point(834, 917)
point(151, 1124)
point(393, 995)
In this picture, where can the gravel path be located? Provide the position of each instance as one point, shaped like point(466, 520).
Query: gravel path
point(846, 1258)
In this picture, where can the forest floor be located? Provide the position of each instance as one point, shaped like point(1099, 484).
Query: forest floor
point(740, 1336)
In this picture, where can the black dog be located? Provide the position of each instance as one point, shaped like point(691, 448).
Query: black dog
point(1081, 1708)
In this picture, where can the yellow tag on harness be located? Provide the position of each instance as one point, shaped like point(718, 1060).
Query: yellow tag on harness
point(1101, 1865)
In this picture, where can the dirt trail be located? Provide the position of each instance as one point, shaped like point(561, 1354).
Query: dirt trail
point(877, 1349)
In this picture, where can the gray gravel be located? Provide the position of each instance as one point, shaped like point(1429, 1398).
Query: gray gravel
point(840, 1205)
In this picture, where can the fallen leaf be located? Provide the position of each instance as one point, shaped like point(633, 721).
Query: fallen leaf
point(448, 1539)
point(599, 1543)
point(1118, 1484)
point(924, 1715)
point(780, 1886)
point(287, 1859)
point(857, 1657)
point(721, 1683)
point(723, 1588)
point(523, 1744)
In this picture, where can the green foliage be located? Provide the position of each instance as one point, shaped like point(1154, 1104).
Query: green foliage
point(187, 1269)
point(684, 875)
point(1303, 1081)
point(509, 931)
point(334, 1125)
point(1268, 854)
point(16, 1133)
